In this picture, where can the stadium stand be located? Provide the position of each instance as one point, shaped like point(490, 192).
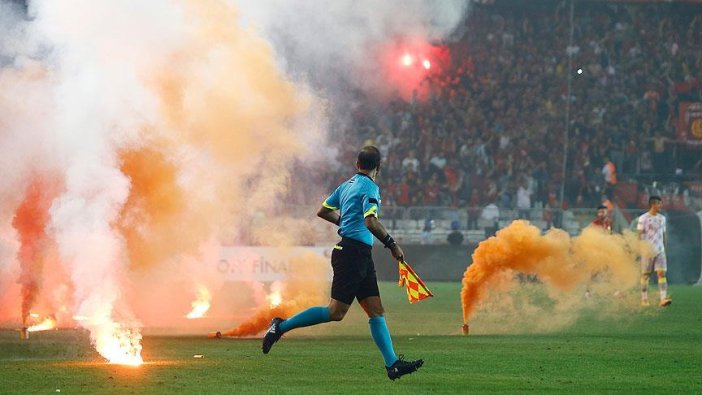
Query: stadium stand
point(494, 121)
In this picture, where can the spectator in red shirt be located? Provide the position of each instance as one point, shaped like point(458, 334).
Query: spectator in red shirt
point(454, 179)
point(431, 191)
point(474, 210)
point(602, 220)
point(402, 192)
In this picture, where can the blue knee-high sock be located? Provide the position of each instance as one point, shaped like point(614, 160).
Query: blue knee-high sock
point(381, 336)
point(311, 316)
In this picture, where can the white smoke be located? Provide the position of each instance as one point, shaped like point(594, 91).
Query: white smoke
point(99, 51)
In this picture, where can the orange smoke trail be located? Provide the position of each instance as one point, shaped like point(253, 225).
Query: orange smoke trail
point(306, 287)
point(262, 318)
point(260, 321)
point(30, 220)
point(559, 261)
point(151, 219)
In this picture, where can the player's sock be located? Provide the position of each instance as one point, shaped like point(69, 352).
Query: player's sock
point(311, 316)
point(644, 286)
point(663, 285)
point(381, 337)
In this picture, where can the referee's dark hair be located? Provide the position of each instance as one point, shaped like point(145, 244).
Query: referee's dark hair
point(602, 206)
point(369, 158)
point(654, 198)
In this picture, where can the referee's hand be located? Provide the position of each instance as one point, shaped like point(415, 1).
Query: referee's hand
point(397, 252)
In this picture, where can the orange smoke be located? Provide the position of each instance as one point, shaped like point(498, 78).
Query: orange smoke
point(239, 117)
point(260, 321)
point(156, 210)
point(556, 259)
point(306, 287)
point(230, 114)
point(30, 220)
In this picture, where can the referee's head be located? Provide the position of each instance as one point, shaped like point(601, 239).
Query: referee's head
point(368, 158)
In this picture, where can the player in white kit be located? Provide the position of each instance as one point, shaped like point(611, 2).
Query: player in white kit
point(652, 228)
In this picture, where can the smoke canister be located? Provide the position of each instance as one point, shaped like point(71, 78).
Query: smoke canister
point(24, 333)
point(465, 329)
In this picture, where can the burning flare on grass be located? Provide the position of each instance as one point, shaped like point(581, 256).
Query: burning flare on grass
point(117, 343)
point(558, 261)
point(120, 346)
point(275, 298)
point(201, 305)
point(48, 324)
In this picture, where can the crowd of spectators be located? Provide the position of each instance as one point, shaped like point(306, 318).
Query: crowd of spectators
point(491, 128)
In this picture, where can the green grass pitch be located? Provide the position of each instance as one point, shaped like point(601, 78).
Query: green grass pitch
point(652, 351)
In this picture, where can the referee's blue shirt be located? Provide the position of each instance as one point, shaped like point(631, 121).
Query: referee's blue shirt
point(356, 199)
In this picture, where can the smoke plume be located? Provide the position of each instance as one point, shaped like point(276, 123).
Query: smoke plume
point(303, 290)
point(158, 116)
point(137, 137)
point(530, 279)
point(30, 221)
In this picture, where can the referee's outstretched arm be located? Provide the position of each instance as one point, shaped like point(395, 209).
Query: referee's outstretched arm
point(378, 230)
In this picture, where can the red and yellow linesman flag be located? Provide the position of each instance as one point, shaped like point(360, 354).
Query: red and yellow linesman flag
point(416, 289)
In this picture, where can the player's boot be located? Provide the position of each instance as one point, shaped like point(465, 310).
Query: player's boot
point(272, 335)
point(402, 367)
point(666, 302)
point(644, 303)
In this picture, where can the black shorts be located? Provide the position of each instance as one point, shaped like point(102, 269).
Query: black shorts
point(354, 272)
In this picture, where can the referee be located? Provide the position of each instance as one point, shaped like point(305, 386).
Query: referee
point(354, 207)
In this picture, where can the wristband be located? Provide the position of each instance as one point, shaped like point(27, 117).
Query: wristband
point(388, 241)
